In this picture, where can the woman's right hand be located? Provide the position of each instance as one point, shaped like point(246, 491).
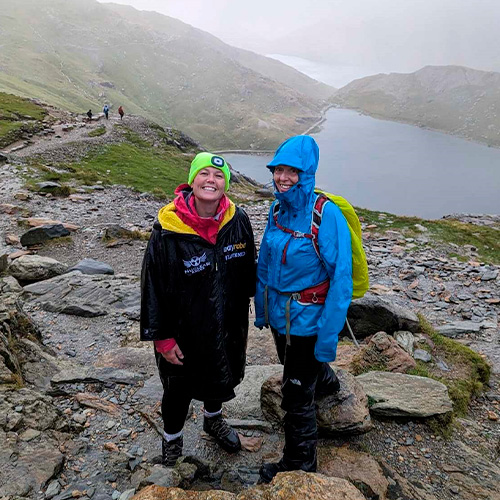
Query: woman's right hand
point(174, 355)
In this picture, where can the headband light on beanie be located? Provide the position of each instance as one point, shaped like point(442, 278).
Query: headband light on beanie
point(203, 160)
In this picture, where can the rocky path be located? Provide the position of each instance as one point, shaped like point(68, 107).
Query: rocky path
point(102, 379)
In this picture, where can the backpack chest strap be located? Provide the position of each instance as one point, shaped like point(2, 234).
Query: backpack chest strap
point(317, 216)
point(294, 234)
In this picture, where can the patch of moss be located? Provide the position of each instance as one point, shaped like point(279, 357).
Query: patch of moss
point(472, 369)
point(61, 241)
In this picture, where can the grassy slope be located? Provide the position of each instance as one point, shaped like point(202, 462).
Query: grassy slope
point(159, 67)
point(17, 115)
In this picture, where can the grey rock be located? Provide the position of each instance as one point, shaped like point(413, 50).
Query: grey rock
point(458, 328)
point(41, 234)
point(47, 186)
point(32, 268)
point(37, 411)
point(127, 495)
point(422, 355)
point(371, 314)
point(53, 489)
point(80, 418)
point(29, 435)
point(91, 266)
point(247, 404)
point(162, 476)
point(139, 359)
point(489, 275)
point(96, 374)
point(401, 395)
point(151, 392)
point(405, 340)
point(86, 295)
point(257, 425)
point(343, 412)
point(442, 365)
point(38, 366)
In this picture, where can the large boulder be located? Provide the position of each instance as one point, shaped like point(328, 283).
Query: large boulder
point(382, 353)
point(285, 486)
point(87, 295)
point(401, 395)
point(247, 403)
point(41, 234)
point(32, 268)
point(343, 412)
point(371, 314)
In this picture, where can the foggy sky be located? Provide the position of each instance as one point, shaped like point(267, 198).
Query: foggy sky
point(385, 35)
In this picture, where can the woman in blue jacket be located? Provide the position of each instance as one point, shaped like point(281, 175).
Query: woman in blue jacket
point(303, 291)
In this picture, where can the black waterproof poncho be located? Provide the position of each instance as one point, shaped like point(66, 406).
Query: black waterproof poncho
point(198, 294)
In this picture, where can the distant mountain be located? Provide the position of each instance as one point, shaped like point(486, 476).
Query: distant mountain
point(453, 99)
point(79, 54)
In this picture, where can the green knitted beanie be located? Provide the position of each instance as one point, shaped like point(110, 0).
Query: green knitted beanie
point(203, 160)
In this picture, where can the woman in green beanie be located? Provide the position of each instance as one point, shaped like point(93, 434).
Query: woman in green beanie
point(198, 275)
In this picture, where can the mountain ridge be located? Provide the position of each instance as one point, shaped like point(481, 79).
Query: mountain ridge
point(454, 99)
point(78, 54)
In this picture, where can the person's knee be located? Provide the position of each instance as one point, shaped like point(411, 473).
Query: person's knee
point(298, 395)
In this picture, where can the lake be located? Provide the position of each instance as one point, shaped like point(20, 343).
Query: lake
point(397, 168)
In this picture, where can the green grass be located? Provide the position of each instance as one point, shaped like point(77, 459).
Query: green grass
point(133, 163)
point(486, 239)
point(97, 132)
point(17, 115)
point(13, 107)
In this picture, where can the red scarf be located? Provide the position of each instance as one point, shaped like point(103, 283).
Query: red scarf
point(206, 227)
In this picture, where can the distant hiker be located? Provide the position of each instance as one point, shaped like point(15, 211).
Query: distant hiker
point(105, 110)
point(89, 114)
point(198, 275)
point(121, 112)
point(304, 287)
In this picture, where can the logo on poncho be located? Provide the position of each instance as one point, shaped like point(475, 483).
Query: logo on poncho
point(196, 264)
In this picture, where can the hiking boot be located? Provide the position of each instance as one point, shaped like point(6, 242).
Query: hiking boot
point(268, 471)
point(171, 451)
point(227, 438)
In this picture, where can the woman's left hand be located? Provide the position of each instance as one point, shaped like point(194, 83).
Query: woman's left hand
point(174, 355)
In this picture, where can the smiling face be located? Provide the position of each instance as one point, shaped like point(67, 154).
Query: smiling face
point(285, 177)
point(209, 184)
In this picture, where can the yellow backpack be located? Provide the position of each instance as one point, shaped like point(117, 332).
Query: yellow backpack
point(360, 280)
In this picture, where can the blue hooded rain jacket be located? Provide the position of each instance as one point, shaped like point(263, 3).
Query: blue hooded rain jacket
point(303, 268)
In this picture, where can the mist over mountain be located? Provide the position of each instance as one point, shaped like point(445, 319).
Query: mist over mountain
point(387, 35)
point(80, 54)
point(453, 99)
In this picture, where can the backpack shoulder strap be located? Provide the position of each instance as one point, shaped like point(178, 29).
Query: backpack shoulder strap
point(317, 217)
point(276, 210)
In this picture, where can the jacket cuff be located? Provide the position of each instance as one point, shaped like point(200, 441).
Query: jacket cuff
point(165, 345)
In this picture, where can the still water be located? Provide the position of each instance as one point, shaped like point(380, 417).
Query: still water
point(397, 168)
